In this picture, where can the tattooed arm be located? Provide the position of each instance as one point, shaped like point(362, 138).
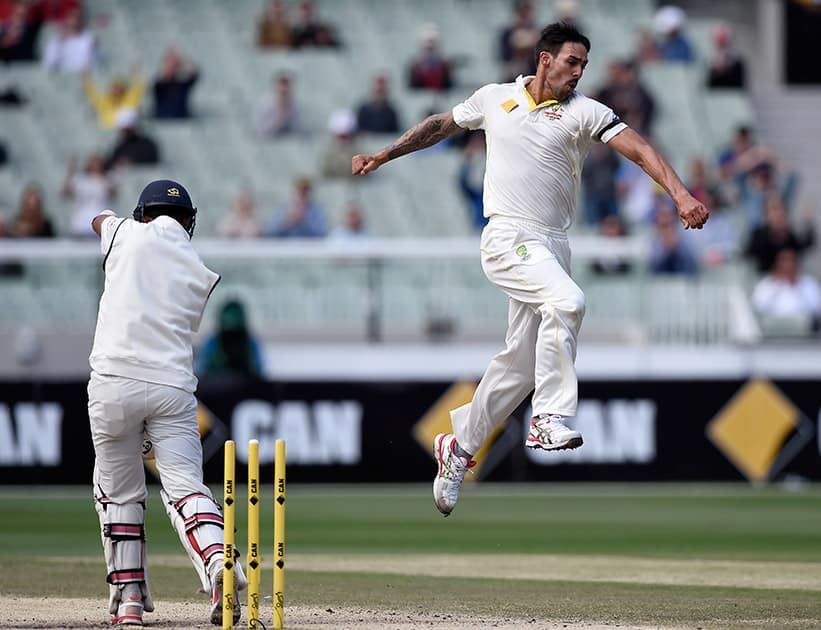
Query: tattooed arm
point(433, 129)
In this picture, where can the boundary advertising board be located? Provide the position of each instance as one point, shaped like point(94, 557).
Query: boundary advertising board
point(382, 432)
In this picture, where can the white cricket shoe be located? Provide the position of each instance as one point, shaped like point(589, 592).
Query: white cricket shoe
point(216, 601)
point(450, 474)
point(552, 434)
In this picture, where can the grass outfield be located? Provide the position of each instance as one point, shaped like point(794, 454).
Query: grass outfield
point(709, 556)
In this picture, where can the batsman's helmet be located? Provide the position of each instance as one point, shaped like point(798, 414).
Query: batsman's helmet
point(165, 196)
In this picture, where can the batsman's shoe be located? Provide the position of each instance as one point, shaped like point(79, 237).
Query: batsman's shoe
point(552, 434)
point(451, 472)
point(216, 602)
point(129, 612)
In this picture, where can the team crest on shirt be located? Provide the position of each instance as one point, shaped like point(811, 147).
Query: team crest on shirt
point(553, 112)
point(522, 252)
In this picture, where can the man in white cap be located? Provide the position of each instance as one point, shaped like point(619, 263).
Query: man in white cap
point(669, 22)
point(336, 159)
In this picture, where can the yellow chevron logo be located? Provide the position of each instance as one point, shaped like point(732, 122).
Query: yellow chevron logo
point(437, 420)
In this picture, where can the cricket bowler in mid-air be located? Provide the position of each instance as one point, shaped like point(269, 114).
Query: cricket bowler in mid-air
point(538, 130)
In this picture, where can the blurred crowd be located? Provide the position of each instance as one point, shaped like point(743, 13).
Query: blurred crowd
point(750, 190)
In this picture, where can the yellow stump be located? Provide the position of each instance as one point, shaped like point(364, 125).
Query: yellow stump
point(254, 556)
point(279, 535)
point(228, 546)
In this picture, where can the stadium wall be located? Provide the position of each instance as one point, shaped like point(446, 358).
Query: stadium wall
point(675, 430)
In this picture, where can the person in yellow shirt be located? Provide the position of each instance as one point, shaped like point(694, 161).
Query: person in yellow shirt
point(121, 94)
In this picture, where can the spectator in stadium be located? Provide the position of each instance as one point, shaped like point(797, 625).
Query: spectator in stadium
point(727, 181)
point(20, 25)
point(377, 114)
point(777, 234)
point(721, 244)
point(599, 183)
point(726, 66)
point(51, 11)
point(522, 61)
point(121, 94)
point(522, 21)
point(611, 227)
point(31, 220)
point(336, 160)
point(472, 178)
point(786, 293)
point(173, 85)
point(133, 145)
point(280, 115)
point(309, 31)
point(429, 70)
point(669, 253)
point(742, 141)
point(91, 190)
point(646, 48)
point(353, 225)
point(273, 27)
point(636, 193)
point(758, 174)
point(241, 221)
point(626, 96)
point(669, 22)
point(73, 47)
point(701, 185)
point(568, 11)
point(301, 217)
point(233, 349)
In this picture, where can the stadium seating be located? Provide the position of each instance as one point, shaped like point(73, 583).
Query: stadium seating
point(218, 154)
point(377, 36)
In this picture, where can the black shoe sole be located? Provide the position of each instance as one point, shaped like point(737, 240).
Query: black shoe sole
point(569, 446)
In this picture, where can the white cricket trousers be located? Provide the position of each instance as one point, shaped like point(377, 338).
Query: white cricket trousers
point(120, 409)
point(531, 264)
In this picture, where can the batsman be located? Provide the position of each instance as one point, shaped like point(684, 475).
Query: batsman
point(142, 383)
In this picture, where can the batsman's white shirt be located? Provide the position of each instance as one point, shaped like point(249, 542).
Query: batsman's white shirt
point(156, 289)
point(535, 151)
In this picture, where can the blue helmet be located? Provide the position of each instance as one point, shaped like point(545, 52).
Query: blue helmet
point(165, 196)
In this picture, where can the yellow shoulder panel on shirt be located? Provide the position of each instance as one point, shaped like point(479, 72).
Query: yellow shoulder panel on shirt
point(509, 105)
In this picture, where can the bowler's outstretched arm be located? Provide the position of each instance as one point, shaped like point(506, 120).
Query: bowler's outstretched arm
point(631, 145)
point(433, 129)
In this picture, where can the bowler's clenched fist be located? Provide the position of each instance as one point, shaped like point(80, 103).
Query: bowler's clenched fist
point(692, 213)
point(364, 164)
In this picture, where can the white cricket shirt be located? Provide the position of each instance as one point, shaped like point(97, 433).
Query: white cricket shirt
point(156, 289)
point(535, 151)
